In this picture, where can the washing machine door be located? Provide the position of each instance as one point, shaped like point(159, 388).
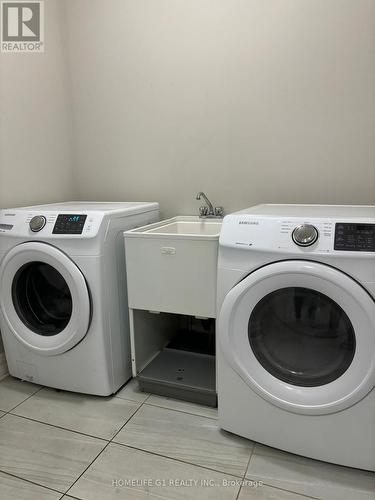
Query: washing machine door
point(302, 335)
point(44, 298)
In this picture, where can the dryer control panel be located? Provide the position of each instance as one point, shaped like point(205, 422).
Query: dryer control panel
point(302, 230)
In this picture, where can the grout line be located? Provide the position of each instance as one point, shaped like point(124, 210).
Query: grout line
point(31, 482)
point(136, 411)
point(129, 400)
point(161, 406)
point(28, 397)
point(58, 427)
point(110, 441)
point(105, 447)
point(179, 460)
point(182, 411)
point(291, 491)
point(89, 465)
point(253, 453)
point(69, 430)
point(247, 466)
point(168, 408)
point(248, 462)
point(253, 478)
point(164, 456)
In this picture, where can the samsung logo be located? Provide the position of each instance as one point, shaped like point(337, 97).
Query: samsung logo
point(249, 222)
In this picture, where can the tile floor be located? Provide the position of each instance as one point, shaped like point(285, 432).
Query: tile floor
point(138, 446)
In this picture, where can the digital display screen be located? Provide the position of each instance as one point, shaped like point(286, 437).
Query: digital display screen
point(69, 224)
point(355, 237)
point(74, 218)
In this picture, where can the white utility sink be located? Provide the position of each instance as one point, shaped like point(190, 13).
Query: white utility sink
point(172, 266)
point(187, 226)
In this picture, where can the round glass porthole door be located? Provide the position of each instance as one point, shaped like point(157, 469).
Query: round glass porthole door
point(301, 335)
point(44, 298)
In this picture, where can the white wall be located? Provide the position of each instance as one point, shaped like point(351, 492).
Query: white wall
point(35, 156)
point(249, 100)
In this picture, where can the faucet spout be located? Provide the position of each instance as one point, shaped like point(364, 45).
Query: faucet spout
point(211, 210)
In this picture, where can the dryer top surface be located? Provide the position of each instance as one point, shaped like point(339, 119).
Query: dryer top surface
point(316, 211)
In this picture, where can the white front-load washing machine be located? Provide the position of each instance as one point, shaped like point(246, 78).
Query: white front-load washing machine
point(296, 330)
point(63, 301)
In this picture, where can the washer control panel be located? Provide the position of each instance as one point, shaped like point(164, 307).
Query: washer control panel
point(50, 224)
point(69, 224)
point(351, 237)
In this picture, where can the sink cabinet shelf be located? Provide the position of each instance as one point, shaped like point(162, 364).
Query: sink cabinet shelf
point(174, 355)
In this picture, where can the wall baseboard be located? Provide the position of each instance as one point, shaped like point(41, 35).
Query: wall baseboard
point(3, 366)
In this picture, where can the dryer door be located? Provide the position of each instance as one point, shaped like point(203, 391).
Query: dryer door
point(44, 298)
point(302, 335)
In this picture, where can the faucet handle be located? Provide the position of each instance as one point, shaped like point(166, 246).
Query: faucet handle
point(219, 211)
point(203, 211)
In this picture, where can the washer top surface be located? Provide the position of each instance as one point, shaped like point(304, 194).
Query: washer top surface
point(316, 211)
point(92, 206)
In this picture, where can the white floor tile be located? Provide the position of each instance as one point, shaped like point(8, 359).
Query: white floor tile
point(96, 416)
point(176, 404)
point(105, 479)
point(186, 437)
point(131, 391)
point(310, 477)
point(14, 391)
point(44, 454)
point(13, 488)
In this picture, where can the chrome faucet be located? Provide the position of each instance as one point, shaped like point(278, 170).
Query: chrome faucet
point(209, 211)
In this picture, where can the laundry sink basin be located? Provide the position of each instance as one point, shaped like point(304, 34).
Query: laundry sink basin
point(172, 266)
point(186, 227)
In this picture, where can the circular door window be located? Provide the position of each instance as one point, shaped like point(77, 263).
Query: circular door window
point(44, 298)
point(301, 336)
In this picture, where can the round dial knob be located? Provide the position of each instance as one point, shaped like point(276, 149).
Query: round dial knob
point(305, 235)
point(37, 223)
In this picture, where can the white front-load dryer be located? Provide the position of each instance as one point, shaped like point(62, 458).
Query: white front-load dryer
point(63, 302)
point(296, 330)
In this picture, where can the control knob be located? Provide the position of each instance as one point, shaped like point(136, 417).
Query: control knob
point(305, 235)
point(37, 223)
